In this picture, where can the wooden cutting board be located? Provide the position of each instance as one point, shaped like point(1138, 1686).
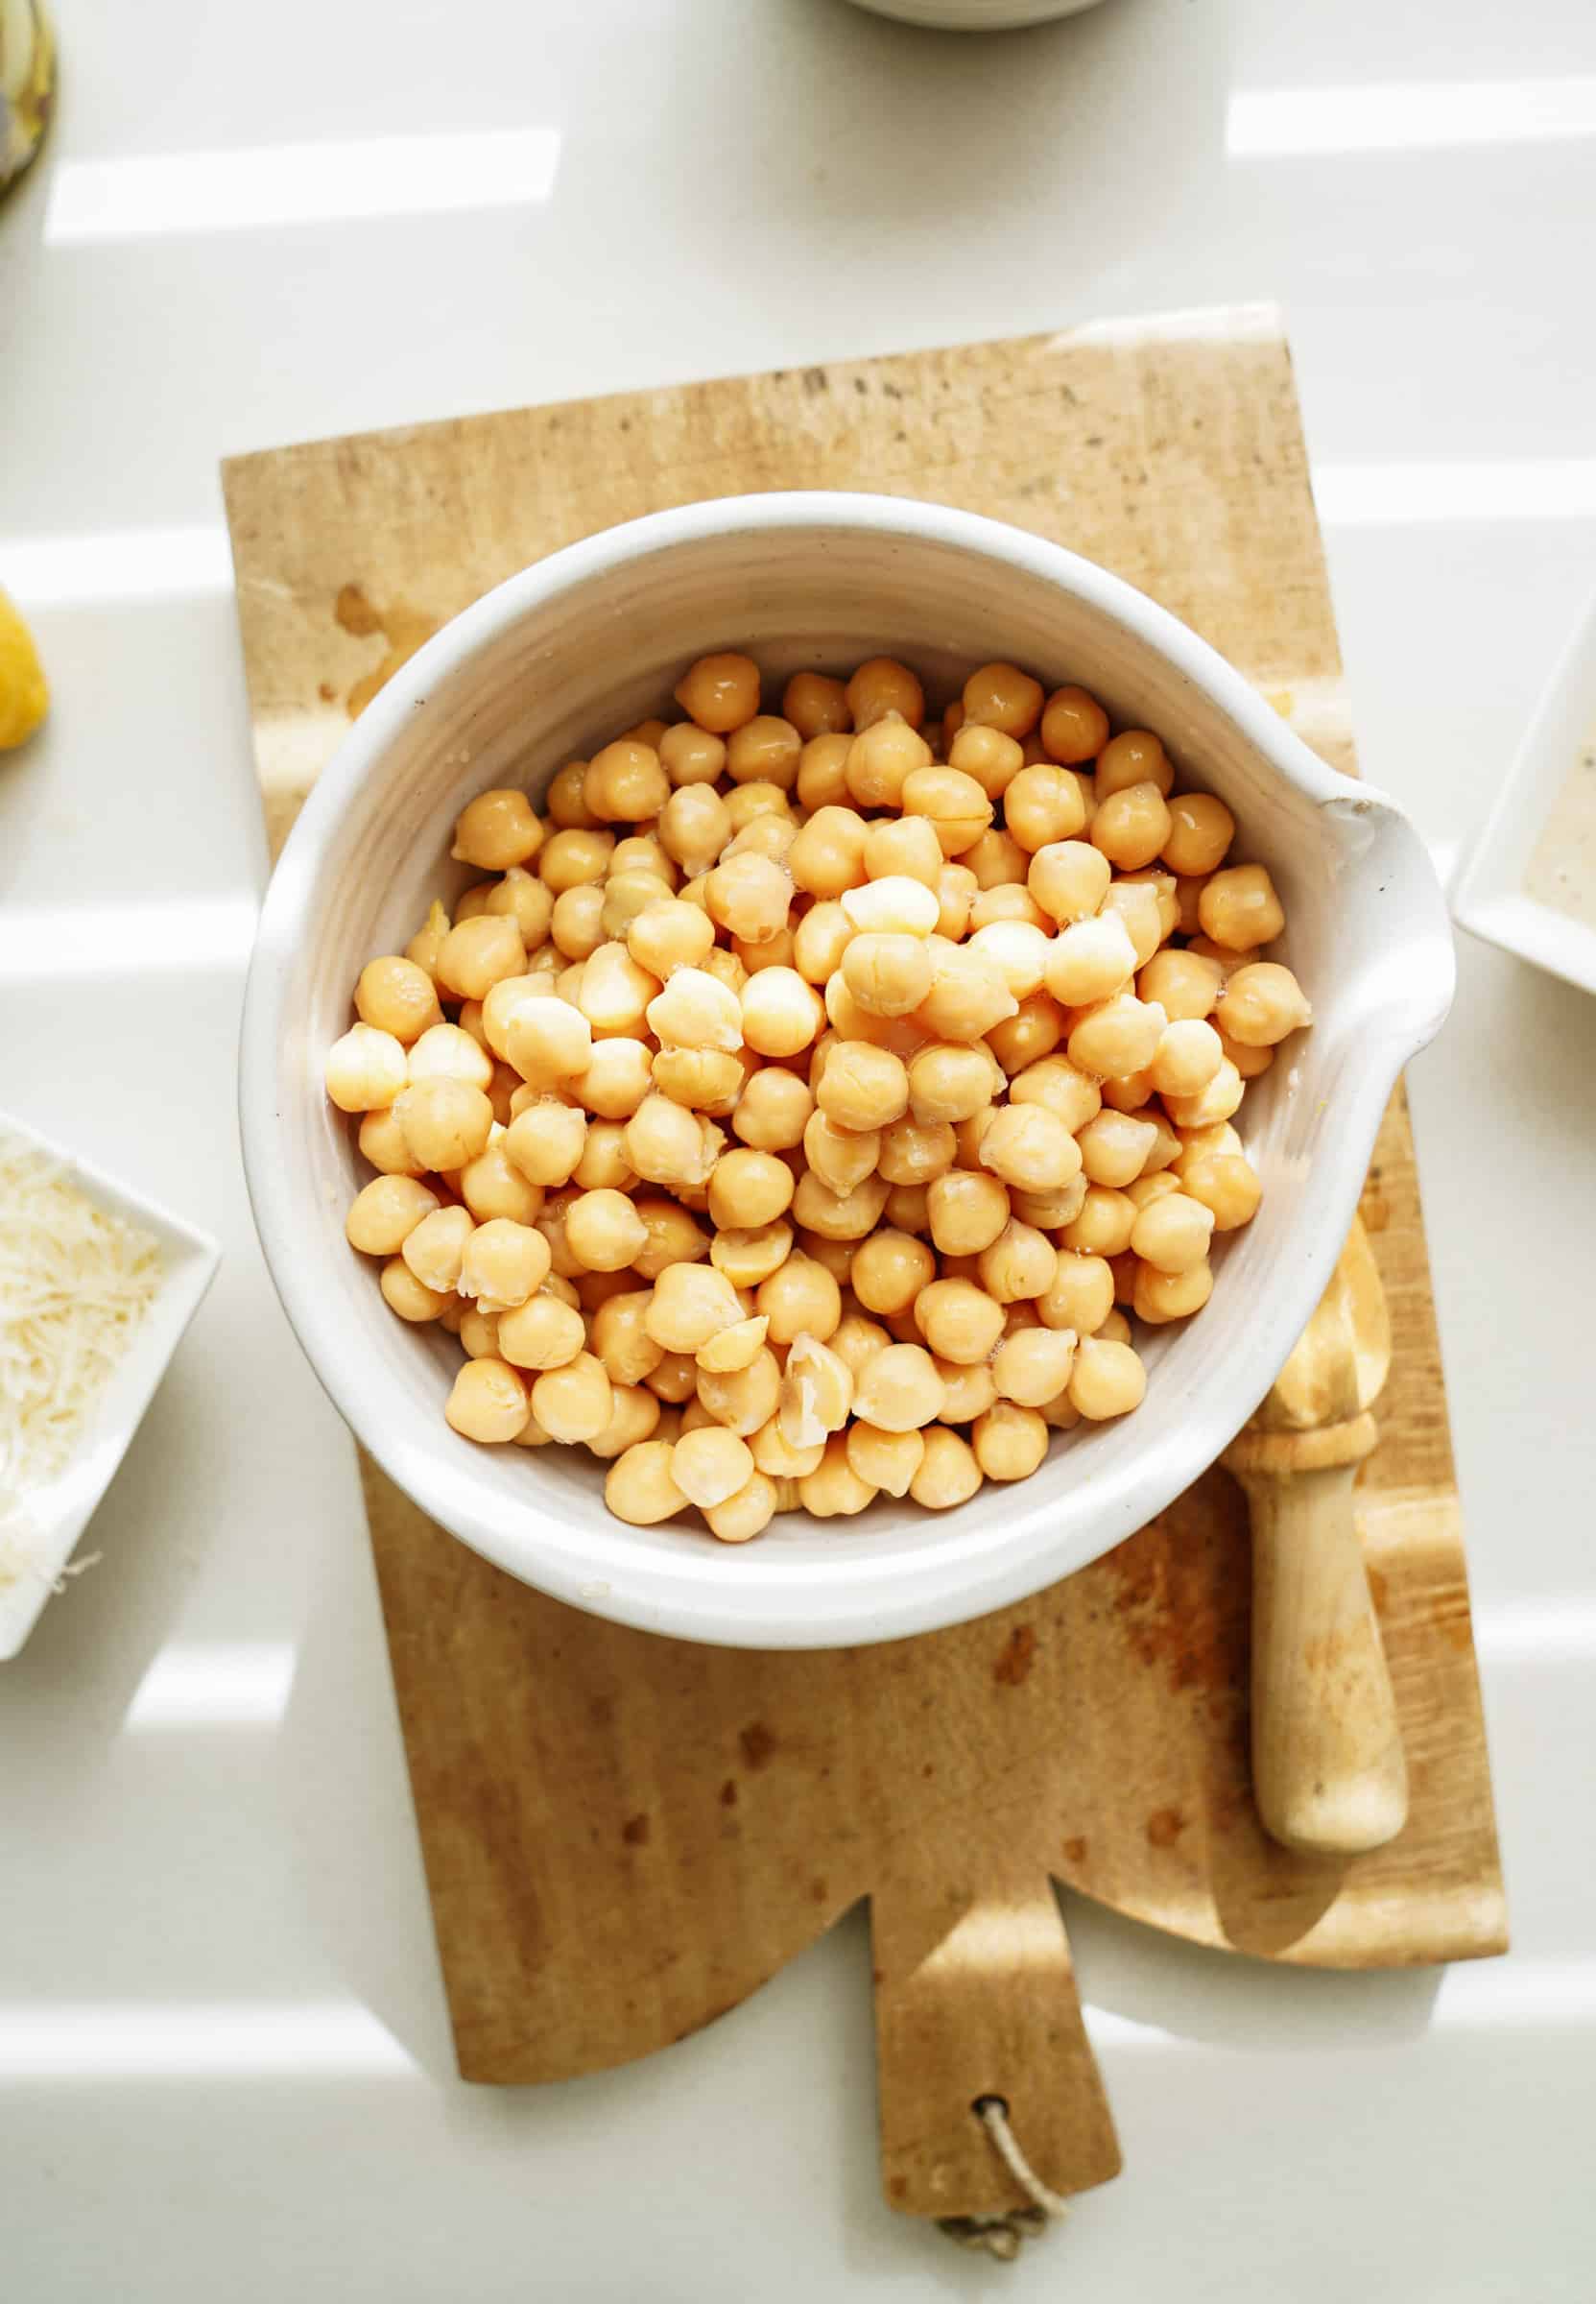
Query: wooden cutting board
point(624, 1835)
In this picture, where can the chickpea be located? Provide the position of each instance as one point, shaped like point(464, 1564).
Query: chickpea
point(1004, 697)
point(1043, 806)
point(1019, 1265)
point(1263, 1003)
point(1080, 1296)
point(634, 1417)
point(1104, 1224)
point(954, 803)
point(997, 859)
point(427, 942)
point(474, 902)
point(967, 995)
point(885, 1461)
point(547, 1040)
point(828, 854)
point(899, 1390)
point(1239, 909)
point(916, 1153)
point(478, 1331)
point(1184, 985)
point(1116, 1036)
point(1128, 1091)
point(780, 1013)
point(448, 1052)
point(881, 759)
point(950, 1082)
point(673, 1237)
point(967, 1210)
point(638, 1487)
point(675, 1378)
point(396, 997)
point(621, 1340)
point(615, 992)
point(711, 1464)
point(748, 1256)
point(968, 1390)
point(545, 1141)
point(692, 758)
point(837, 1218)
point(774, 1109)
point(1108, 1380)
point(888, 1270)
point(750, 1188)
point(1114, 1148)
point(1005, 905)
point(719, 692)
point(496, 831)
point(1145, 1190)
point(385, 1212)
point(695, 825)
point(904, 848)
point(988, 757)
point(434, 1246)
point(745, 1399)
point(445, 1122)
point(626, 894)
point(1073, 1096)
point(1032, 1365)
point(1160, 1297)
point(1227, 1187)
point(565, 804)
point(1200, 831)
point(1222, 1098)
point(528, 902)
point(823, 773)
point(626, 783)
point(958, 1321)
point(542, 1332)
point(1074, 726)
point(840, 1158)
point(816, 1393)
point(1018, 949)
point(477, 952)
point(1249, 1063)
point(834, 1488)
point(881, 687)
point(862, 1087)
point(1135, 757)
point(1137, 905)
point(799, 1297)
point(1131, 826)
point(576, 1402)
point(366, 1071)
point(1172, 1231)
point(747, 1514)
point(689, 1304)
point(948, 1474)
point(889, 975)
point(816, 706)
point(820, 940)
point(411, 1298)
point(1091, 960)
point(1187, 1059)
point(576, 921)
point(669, 934)
point(777, 1459)
point(488, 1401)
point(735, 1347)
point(492, 1187)
point(1008, 1441)
point(750, 896)
point(503, 1265)
point(603, 1165)
point(1032, 1033)
point(664, 1143)
point(1030, 1147)
point(764, 750)
point(605, 1231)
point(382, 1142)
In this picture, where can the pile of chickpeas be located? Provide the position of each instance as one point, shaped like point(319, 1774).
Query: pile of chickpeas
point(821, 1094)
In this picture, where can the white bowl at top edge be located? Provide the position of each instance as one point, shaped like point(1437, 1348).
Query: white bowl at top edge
point(976, 15)
point(591, 639)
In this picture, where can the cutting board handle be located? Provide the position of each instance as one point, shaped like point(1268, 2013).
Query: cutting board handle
point(1328, 1769)
point(975, 1997)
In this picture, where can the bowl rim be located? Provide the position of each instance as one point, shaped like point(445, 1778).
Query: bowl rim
point(695, 1594)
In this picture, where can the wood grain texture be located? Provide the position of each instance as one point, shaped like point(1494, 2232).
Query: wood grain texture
point(624, 1835)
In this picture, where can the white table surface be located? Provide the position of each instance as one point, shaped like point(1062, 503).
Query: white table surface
point(225, 2067)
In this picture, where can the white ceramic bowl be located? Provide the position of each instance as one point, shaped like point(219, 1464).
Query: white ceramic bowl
point(593, 640)
point(975, 16)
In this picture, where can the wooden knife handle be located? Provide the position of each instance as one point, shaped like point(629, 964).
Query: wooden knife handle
point(1328, 1769)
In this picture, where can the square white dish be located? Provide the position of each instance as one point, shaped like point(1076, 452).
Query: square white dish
point(188, 1260)
point(1490, 898)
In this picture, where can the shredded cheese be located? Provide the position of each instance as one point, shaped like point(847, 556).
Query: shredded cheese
point(74, 1285)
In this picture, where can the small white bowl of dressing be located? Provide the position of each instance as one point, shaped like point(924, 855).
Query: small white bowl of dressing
point(1529, 882)
point(97, 1285)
